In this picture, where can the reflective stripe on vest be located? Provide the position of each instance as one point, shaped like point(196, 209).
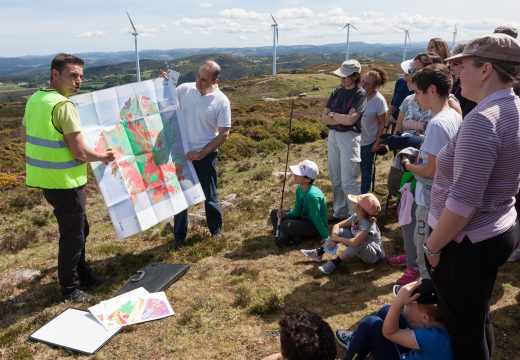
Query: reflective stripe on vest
point(52, 165)
point(49, 163)
point(55, 144)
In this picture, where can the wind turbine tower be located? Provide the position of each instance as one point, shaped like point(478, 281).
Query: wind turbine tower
point(134, 34)
point(348, 25)
point(454, 37)
point(274, 25)
point(406, 41)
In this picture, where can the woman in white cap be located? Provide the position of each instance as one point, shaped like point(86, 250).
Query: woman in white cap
point(342, 115)
point(475, 226)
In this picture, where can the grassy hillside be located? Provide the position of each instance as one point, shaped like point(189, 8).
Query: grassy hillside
point(232, 297)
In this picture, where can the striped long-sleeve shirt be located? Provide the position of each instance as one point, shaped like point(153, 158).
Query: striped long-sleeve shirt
point(479, 169)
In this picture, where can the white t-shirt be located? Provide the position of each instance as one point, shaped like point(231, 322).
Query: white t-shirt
point(369, 124)
point(441, 128)
point(201, 116)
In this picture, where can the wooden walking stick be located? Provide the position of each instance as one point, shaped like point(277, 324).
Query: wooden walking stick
point(285, 172)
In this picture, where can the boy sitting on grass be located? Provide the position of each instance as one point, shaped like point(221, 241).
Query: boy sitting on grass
point(411, 328)
point(308, 218)
point(304, 336)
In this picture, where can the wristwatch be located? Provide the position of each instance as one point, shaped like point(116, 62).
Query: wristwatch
point(429, 253)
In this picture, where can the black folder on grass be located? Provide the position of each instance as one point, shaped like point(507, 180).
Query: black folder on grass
point(154, 277)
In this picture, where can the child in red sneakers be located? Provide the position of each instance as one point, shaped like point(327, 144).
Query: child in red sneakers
point(362, 240)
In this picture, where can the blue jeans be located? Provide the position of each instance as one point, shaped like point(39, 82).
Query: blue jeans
point(206, 170)
point(368, 337)
point(367, 167)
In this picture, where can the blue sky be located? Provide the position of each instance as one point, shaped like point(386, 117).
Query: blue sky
point(38, 27)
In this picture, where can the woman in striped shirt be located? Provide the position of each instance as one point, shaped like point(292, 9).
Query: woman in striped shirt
point(472, 210)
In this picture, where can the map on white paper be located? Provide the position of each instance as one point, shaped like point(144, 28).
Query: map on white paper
point(133, 307)
point(150, 179)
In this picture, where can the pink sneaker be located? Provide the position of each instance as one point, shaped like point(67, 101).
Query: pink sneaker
point(410, 274)
point(397, 260)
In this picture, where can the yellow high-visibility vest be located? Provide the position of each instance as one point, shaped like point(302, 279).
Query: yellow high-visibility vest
point(49, 163)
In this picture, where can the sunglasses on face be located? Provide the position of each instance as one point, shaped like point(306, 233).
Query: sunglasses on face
point(412, 71)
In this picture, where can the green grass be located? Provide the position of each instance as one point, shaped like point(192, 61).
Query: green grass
point(236, 289)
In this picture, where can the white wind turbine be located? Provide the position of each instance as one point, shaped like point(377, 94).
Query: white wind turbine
point(135, 33)
point(275, 42)
point(454, 37)
point(348, 25)
point(406, 41)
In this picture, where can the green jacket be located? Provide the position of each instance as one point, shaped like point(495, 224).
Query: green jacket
point(311, 205)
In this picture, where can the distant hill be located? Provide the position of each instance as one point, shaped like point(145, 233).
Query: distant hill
point(256, 59)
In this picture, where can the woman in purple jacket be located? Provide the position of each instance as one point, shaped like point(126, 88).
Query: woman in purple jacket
point(472, 210)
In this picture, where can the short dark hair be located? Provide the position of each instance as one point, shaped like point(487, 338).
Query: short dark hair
point(61, 60)
point(435, 74)
point(380, 76)
point(214, 67)
point(433, 311)
point(428, 58)
point(306, 336)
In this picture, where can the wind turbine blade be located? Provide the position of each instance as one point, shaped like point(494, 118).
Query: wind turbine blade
point(131, 22)
point(272, 17)
point(346, 25)
point(355, 28)
point(408, 36)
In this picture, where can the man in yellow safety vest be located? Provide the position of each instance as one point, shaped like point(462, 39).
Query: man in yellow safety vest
point(55, 161)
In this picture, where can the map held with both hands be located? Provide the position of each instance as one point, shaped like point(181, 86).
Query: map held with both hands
point(150, 179)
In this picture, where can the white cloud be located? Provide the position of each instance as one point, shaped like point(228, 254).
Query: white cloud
point(90, 34)
point(242, 37)
point(241, 14)
point(293, 13)
point(205, 5)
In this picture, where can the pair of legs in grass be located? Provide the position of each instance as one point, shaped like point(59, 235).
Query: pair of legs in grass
point(370, 252)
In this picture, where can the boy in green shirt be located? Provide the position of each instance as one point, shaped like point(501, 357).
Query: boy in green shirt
point(308, 218)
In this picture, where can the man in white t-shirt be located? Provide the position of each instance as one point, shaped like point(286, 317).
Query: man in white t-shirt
point(205, 113)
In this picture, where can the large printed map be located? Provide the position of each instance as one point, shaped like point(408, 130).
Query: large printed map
point(149, 180)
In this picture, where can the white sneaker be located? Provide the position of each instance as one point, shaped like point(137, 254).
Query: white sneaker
point(313, 254)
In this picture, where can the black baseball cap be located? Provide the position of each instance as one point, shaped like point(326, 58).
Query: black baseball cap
point(426, 291)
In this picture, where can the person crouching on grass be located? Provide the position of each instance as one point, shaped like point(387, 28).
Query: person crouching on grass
point(308, 218)
point(411, 328)
point(363, 239)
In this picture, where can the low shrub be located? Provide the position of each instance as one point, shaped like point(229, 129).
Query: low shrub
point(302, 133)
point(237, 147)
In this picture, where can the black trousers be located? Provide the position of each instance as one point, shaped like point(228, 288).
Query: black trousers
point(464, 281)
point(301, 228)
point(70, 211)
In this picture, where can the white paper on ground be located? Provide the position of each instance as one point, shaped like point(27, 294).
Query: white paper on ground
point(76, 330)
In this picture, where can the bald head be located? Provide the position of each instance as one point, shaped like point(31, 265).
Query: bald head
point(212, 68)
